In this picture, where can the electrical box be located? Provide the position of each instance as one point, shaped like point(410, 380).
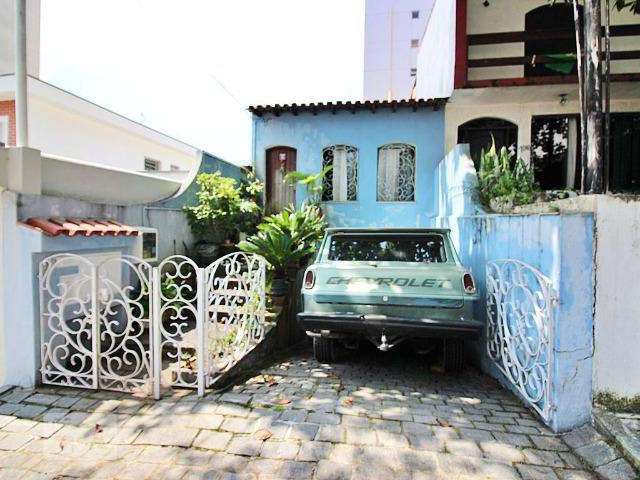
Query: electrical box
point(147, 244)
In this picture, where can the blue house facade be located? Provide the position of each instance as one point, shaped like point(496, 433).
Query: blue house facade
point(382, 155)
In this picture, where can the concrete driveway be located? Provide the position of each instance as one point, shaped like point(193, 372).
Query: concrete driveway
point(372, 416)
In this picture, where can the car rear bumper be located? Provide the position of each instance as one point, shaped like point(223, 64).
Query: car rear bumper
point(340, 324)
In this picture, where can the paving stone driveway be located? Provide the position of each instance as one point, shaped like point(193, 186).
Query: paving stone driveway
point(369, 417)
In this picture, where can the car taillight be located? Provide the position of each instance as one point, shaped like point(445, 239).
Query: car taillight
point(469, 284)
point(309, 279)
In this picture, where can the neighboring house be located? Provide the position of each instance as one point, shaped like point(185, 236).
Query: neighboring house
point(392, 33)
point(509, 69)
point(55, 116)
point(383, 157)
point(62, 124)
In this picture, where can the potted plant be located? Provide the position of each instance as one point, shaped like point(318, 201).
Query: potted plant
point(225, 208)
point(504, 183)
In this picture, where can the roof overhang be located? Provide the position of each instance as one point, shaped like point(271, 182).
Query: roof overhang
point(353, 107)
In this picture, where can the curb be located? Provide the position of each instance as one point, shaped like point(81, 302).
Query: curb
point(610, 426)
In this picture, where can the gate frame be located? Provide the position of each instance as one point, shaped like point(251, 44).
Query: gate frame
point(498, 288)
point(156, 299)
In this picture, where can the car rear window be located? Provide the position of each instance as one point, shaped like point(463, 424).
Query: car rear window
point(386, 248)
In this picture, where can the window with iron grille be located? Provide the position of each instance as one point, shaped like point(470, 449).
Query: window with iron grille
point(396, 173)
point(340, 184)
point(151, 165)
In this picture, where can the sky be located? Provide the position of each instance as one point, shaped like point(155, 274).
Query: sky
point(190, 68)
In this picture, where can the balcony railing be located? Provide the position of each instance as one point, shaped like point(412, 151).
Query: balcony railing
point(503, 38)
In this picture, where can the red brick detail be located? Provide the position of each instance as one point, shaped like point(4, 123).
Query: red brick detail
point(8, 109)
point(81, 226)
point(462, 46)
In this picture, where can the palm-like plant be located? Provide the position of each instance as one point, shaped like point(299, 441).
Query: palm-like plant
point(311, 181)
point(287, 238)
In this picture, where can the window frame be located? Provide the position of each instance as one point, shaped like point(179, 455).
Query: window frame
point(415, 14)
point(334, 145)
point(415, 173)
point(568, 116)
point(415, 43)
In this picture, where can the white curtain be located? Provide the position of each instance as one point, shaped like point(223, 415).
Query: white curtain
point(388, 168)
point(572, 151)
point(340, 174)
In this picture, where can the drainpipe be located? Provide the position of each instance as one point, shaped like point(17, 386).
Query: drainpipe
point(22, 135)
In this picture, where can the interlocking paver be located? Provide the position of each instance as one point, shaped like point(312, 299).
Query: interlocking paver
point(369, 417)
point(179, 437)
point(242, 445)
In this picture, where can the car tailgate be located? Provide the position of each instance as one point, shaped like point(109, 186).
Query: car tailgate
point(433, 285)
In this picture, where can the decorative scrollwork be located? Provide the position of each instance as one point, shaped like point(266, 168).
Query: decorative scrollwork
point(67, 314)
point(396, 173)
point(124, 286)
point(178, 320)
point(123, 325)
point(520, 308)
point(333, 157)
point(236, 311)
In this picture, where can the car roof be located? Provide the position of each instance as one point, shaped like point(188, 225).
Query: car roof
point(386, 230)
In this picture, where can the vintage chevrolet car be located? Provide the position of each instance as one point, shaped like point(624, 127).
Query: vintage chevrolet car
point(388, 286)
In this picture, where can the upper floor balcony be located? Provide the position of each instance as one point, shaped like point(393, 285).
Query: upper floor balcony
point(506, 43)
point(543, 53)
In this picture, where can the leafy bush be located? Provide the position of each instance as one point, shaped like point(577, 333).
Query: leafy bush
point(502, 179)
point(311, 181)
point(287, 238)
point(225, 206)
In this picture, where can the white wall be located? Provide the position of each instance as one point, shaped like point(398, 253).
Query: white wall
point(388, 55)
point(509, 16)
point(617, 309)
point(616, 366)
point(7, 19)
point(65, 125)
point(436, 58)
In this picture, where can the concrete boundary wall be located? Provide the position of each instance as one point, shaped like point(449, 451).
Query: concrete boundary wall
point(562, 248)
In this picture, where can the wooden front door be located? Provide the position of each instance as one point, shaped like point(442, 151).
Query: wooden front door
point(280, 161)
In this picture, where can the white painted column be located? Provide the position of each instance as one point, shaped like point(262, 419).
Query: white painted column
point(22, 135)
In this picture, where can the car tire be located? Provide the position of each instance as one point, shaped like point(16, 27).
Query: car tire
point(324, 349)
point(453, 355)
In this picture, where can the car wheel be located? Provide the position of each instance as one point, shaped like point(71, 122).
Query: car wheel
point(453, 355)
point(324, 349)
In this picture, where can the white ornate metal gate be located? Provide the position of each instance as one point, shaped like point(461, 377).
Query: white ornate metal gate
point(127, 326)
point(520, 314)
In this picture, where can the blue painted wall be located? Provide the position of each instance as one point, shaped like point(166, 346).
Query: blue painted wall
point(367, 131)
point(561, 247)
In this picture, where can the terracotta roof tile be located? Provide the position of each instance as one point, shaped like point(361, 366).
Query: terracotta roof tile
point(333, 107)
point(87, 227)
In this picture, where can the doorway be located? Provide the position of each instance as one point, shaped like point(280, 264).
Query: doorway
point(280, 161)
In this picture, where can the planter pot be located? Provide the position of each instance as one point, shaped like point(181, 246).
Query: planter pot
point(207, 252)
point(279, 287)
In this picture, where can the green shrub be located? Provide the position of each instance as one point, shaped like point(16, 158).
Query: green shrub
point(287, 238)
point(225, 207)
point(311, 181)
point(501, 178)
